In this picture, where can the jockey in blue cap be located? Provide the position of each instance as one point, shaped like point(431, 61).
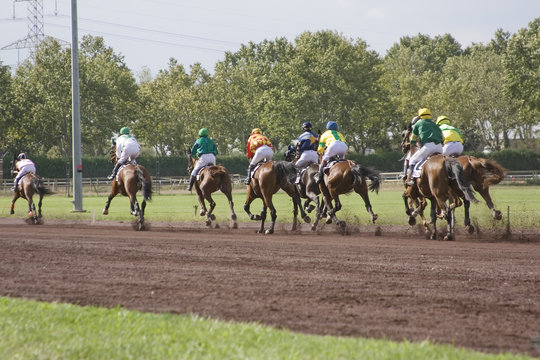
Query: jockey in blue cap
point(331, 144)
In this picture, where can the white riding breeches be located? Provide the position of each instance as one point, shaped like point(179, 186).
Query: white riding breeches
point(452, 148)
point(336, 148)
point(424, 152)
point(204, 160)
point(23, 171)
point(130, 152)
point(262, 153)
point(308, 157)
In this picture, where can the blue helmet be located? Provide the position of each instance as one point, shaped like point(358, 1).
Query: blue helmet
point(307, 125)
point(331, 125)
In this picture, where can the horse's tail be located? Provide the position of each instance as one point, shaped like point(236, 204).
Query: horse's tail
point(285, 170)
point(373, 175)
point(38, 185)
point(146, 185)
point(494, 173)
point(455, 171)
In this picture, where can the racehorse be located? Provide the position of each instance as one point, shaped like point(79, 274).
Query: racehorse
point(480, 173)
point(267, 179)
point(130, 179)
point(344, 177)
point(29, 185)
point(308, 187)
point(442, 181)
point(212, 179)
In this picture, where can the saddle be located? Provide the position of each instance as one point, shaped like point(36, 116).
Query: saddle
point(200, 171)
point(417, 171)
point(331, 163)
point(132, 162)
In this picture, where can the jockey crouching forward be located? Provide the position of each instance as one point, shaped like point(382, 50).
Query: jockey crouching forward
point(430, 137)
point(331, 144)
point(24, 166)
point(205, 150)
point(258, 148)
point(127, 149)
point(306, 148)
point(452, 138)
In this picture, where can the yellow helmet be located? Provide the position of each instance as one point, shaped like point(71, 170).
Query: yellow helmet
point(443, 120)
point(424, 113)
point(256, 131)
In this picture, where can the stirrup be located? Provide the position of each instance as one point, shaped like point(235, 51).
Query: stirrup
point(410, 182)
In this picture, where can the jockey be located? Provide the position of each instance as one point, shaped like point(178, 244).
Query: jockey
point(127, 149)
point(206, 150)
point(306, 148)
point(408, 155)
point(258, 148)
point(452, 138)
point(430, 137)
point(331, 143)
point(24, 166)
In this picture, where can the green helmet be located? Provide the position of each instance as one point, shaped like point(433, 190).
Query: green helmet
point(203, 132)
point(124, 130)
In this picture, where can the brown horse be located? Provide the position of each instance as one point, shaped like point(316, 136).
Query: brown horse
point(308, 188)
point(442, 181)
point(344, 177)
point(212, 179)
point(267, 179)
point(130, 179)
point(29, 185)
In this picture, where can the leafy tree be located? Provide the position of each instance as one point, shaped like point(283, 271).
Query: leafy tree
point(7, 132)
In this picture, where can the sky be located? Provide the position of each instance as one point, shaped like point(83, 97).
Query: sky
point(147, 33)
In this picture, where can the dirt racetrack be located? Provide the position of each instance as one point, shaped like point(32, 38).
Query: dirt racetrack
point(473, 293)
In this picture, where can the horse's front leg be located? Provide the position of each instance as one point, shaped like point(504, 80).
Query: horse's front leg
point(433, 216)
point(263, 218)
point(233, 222)
point(451, 222)
point(295, 216)
point(363, 192)
point(108, 202)
point(39, 205)
point(209, 214)
point(247, 205)
point(334, 210)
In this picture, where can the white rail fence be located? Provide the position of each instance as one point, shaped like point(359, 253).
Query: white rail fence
point(101, 186)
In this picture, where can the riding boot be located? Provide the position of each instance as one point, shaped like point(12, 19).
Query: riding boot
point(191, 182)
point(248, 179)
point(409, 181)
point(115, 170)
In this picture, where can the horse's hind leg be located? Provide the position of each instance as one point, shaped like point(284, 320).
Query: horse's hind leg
point(134, 205)
point(12, 208)
point(201, 197)
point(363, 192)
point(39, 205)
point(433, 215)
point(209, 214)
point(234, 224)
point(108, 203)
point(484, 192)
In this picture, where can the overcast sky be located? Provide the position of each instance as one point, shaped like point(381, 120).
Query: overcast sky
point(149, 32)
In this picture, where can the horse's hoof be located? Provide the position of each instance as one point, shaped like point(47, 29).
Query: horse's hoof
point(213, 217)
point(470, 229)
point(105, 212)
point(374, 218)
point(449, 237)
point(310, 208)
point(235, 226)
point(269, 231)
point(314, 227)
point(208, 222)
point(328, 220)
point(12, 212)
point(260, 231)
point(433, 236)
point(202, 212)
point(412, 221)
point(233, 217)
point(498, 215)
point(307, 219)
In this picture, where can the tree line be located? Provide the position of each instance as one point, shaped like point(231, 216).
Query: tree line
point(489, 91)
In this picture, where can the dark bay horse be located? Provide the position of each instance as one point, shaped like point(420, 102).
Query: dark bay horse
point(212, 179)
point(344, 177)
point(267, 179)
point(28, 186)
point(130, 179)
point(308, 188)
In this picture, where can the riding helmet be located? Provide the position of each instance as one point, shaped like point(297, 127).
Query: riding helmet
point(203, 132)
point(443, 120)
point(256, 131)
point(424, 113)
point(21, 156)
point(307, 125)
point(124, 130)
point(331, 125)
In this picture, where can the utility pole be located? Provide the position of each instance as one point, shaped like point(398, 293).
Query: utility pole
point(76, 112)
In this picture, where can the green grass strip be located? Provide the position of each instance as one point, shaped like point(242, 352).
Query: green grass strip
point(40, 330)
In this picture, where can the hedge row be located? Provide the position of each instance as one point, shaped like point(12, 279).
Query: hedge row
point(237, 164)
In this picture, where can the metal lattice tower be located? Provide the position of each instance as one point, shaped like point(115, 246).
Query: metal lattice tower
point(35, 27)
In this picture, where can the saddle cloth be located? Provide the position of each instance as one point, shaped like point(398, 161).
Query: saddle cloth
point(417, 171)
point(200, 171)
point(332, 163)
point(132, 162)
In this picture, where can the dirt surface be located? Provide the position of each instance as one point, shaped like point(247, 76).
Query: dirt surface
point(474, 293)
